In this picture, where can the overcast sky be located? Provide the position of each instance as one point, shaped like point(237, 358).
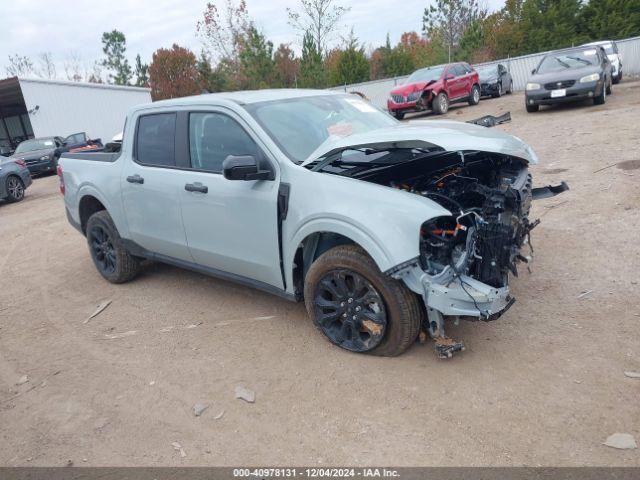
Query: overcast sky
point(29, 27)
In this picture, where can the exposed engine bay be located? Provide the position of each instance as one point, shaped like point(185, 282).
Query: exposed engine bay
point(465, 259)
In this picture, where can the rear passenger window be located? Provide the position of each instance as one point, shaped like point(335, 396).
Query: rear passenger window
point(213, 137)
point(155, 139)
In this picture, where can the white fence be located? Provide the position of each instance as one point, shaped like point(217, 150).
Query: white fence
point(520, 67)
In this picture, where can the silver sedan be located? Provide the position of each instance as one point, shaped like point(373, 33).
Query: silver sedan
point(14, 179)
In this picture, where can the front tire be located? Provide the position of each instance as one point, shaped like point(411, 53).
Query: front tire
point(108, 253)
point(359, 308)
point(474, 96)
point(532, 108)
point(498, 93)
point(618, 78)
point(600, 99)
point(14, 188)
point(441, 104)
point(398, 115)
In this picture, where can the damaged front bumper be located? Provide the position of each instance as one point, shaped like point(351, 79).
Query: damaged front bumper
point(455, 295)
point(450, 295)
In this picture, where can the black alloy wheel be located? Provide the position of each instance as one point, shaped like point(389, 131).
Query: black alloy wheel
point(102, 249)
point(350, 311)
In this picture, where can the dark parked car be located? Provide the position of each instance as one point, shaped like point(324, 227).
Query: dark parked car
point(40, 154)
point(494, 80)
point(570, 75)
point(435, 88)
point(14, 179)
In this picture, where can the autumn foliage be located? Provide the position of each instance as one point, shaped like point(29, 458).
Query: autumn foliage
point(173, 73)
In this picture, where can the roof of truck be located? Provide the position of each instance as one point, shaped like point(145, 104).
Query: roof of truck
point(248, 96)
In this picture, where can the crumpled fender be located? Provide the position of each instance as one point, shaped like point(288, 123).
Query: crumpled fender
point(384, 221)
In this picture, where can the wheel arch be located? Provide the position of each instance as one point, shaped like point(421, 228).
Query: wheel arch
point(87, 206)
point(312, 243)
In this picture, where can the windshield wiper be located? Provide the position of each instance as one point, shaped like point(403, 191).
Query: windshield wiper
point(580, 60)
point(564, 64)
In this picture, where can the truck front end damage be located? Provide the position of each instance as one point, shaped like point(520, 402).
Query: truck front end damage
point(466, 258)
point(480, 177)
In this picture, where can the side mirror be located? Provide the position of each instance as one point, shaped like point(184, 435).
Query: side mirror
point(449, 77)
point(533, 71)
point(244, 167)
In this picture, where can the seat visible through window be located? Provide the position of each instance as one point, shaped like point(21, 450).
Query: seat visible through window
point(215, 136)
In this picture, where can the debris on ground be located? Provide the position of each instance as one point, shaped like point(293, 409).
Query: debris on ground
point(23, 379)
point(98, 310)
point(585, 293)
point(632, 374)
point(245, 394)
point(121, 335)
point(604, 168)
point(219, 416)
point(178, 448)
point(198, 408)
point(152, 383)
point(622, 441)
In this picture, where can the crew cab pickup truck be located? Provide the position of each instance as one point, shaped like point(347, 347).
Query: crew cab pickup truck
point(383, 229)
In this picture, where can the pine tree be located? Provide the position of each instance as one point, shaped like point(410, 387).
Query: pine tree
point(312, 73)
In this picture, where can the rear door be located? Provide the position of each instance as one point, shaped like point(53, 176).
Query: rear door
point(458, 82)
point(150, 186)
point(231, 225)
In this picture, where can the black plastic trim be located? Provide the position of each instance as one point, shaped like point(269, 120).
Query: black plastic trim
point(549, 191)
point(283, 208)
point(136, 250)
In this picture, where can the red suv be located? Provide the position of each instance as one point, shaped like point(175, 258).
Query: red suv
point(435, 88)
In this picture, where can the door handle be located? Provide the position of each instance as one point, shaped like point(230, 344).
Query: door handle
point(135, 179)
point(196, 187)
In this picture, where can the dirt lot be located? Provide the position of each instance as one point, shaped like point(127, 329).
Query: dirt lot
point(544, 385)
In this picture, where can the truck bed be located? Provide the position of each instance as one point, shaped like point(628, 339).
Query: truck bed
point(93, 156)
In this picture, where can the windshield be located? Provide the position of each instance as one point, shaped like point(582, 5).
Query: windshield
point(425, 75)
point(568, 60)
point(487, 70)
point(300, 125)
point(38, 144)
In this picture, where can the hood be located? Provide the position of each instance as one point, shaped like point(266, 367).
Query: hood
point(446, 134)
point(32, 155)
point(568, 74)
point(486, 76)
point(408, 88)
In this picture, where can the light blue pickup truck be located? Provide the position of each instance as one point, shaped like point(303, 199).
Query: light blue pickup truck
point(384, 229)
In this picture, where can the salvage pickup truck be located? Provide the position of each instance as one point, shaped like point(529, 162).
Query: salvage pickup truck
point(384, 229)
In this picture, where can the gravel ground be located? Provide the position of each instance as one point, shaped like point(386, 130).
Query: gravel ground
point(543, 385)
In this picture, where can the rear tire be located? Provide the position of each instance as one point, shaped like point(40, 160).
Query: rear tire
point(474, 96)
point(532, 108)
point(440, 104)
point(15, 189)
point(609, 89)
point(510, 90)
point(399, 315)
point(108, 253)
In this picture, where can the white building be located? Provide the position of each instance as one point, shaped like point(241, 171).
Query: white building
point(45, 108)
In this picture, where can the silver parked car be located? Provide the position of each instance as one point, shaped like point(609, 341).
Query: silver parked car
point(382, 228)
point(14, 179)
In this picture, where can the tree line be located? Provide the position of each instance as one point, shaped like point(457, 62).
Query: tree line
point(237, 55)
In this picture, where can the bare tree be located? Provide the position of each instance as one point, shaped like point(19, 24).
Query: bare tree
point(319, 17)
point(46, 68)
point(222, 30)
point(19, 66)
point(73, 67)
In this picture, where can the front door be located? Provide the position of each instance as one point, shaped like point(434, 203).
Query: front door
point(231, 225)
point(151, 186)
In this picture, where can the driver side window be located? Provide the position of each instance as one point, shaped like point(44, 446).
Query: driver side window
point(215, 136)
